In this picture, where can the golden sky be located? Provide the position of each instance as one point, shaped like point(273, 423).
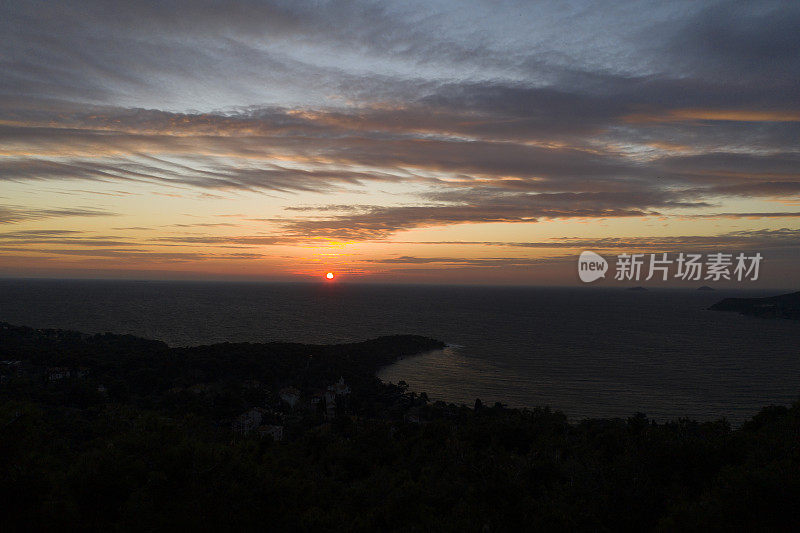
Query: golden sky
point(406, 142)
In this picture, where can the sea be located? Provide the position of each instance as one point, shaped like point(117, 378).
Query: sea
point(588, 352)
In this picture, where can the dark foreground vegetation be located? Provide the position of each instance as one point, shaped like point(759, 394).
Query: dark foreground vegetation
point(112, 432)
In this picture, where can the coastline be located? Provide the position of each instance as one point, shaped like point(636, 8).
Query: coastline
point(129, 434)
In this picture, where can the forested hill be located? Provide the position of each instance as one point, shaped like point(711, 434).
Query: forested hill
point(116, 433)
point(147, 366)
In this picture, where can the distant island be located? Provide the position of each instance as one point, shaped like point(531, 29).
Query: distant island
point(118, 433)
point(638, 288)
point(782, 306)
point(706, 288)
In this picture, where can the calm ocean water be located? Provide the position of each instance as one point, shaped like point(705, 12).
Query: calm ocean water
point(586, 351)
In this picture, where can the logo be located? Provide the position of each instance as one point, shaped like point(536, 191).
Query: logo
point(591, 267)
point(717, 266)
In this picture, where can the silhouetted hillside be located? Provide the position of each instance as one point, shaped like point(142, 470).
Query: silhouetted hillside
point(116, 433)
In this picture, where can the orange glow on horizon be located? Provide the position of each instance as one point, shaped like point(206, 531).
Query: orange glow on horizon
point(737, 115)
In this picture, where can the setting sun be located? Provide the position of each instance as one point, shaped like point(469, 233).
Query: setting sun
point(329, 275)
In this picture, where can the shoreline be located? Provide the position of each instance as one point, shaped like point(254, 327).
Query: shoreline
point(307, 434)
point(357, 362)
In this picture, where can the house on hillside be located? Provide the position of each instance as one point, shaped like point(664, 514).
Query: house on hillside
point(339, 388)
point(317, 397)
point(9, 369)
point(247, 422)
point(274, 432)
point(290, 395)
point(330, 404)
point(55, 373)
point(252, 384)
point(336, 394)
point(413, 415)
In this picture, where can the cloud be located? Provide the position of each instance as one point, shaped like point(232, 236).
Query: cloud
point(715, 166)
point(332, 148)
point(728, 41)
point(788, 238)
point(13, 213)
point(249, 240)
point(481, 205)
point(135, 254)
point(473, 262)
point(473, 179)
point(771, 214)
point(205, 225)
point(462, 112)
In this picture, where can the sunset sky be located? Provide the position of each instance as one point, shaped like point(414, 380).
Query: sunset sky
point(475, 142)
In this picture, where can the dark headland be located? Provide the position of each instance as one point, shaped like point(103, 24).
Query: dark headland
point(781, 306)
point(118, 433)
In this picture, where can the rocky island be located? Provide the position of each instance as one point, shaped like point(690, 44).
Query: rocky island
point(781, 306)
